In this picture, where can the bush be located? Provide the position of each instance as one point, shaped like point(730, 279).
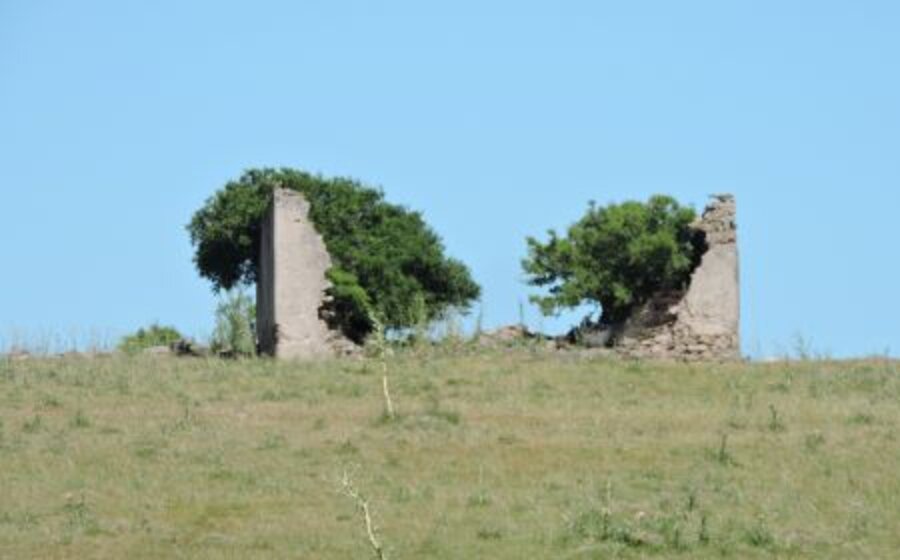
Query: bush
point(384, 256)
point(235, 333)
point(143, 338)
point(616, 257)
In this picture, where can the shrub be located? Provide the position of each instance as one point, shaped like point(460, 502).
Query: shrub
point(143, 338)
point(235, 333)
point(384, 256)
point(616, 257)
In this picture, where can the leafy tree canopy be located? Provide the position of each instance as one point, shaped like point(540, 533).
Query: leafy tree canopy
point(616, 256)
point(385, 258)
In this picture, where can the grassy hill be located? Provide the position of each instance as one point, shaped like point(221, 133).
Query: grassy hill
point(516, 454)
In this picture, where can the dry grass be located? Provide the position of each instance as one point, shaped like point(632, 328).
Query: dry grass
point(491, 455)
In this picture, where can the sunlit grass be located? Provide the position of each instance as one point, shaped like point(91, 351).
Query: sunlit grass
point(513, 454)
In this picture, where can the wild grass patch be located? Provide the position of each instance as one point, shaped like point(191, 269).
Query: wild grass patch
point(502, 455)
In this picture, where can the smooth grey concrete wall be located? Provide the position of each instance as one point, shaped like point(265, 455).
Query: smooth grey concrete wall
point(265, 285)
point(291, 285)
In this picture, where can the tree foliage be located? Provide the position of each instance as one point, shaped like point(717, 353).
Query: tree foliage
point(616, 256)
point(384, 256)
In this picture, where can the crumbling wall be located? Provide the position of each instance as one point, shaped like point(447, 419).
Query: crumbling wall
point(291, 285)
point(703, 322)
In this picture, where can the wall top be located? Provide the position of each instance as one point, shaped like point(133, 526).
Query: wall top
point(719, 220)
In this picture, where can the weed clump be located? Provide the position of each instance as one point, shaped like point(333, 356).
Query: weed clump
point(144, 338)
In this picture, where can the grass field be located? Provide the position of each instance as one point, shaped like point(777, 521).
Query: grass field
point(499, 455)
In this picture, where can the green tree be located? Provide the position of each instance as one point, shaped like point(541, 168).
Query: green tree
point(384, 256)
point(615, 256)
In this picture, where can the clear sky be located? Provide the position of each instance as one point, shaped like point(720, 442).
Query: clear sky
point(496, 119)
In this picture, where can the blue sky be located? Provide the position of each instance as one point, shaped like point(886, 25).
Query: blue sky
point(496, 119)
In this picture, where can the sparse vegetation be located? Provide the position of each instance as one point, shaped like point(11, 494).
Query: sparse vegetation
point(493, 454)
point(154, 335)
point(235, 333)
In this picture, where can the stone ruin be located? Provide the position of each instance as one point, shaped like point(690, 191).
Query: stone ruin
point(701, 322)
point(291, 284)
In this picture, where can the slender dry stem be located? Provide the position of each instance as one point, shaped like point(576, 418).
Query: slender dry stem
point(363, 505)
point(388, 403)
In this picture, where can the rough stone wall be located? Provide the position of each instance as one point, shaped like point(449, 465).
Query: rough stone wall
point(291, 284)
point(703, 322)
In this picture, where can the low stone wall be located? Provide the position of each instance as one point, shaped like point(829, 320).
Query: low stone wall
point(703, 322)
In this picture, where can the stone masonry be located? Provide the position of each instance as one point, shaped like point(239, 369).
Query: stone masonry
point(291, 284)
point(701, 323)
